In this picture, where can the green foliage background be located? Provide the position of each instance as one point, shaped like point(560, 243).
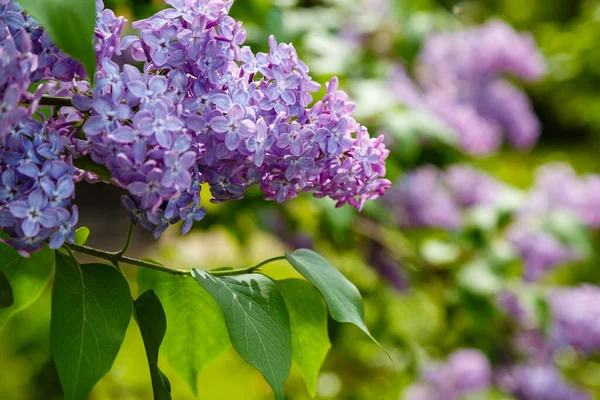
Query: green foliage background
point(434, 316)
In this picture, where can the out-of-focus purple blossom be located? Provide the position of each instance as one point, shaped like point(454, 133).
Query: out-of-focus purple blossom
point(460, 80)
point(465, 372)
point(558, 188)
point(428, 197)
point(537, 382)
point(576, 318)
point(540, 251)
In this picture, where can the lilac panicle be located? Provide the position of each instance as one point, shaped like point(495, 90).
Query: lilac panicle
point(204, 110)
point(465, 372)
point(460, 80)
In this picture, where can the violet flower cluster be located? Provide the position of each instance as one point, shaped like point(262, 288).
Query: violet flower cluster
point(460, 80)
point(204, 110)
point(428, 197)
point(557, 189)
point(576, 318)
point(465, 372)
point(537, 382)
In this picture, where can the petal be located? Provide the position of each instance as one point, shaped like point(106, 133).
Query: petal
point(30, 227)
point(123, 134)
point(187, 159)
point(48, 218)
point(65, 187)
point(236, 113)
point(138, 88)
point(220, 124)
point(37, 199)
point(94, 126)
point(29, 169)
point(232, 140)
point(157, 84)
point(18, 208)
point(221, 100)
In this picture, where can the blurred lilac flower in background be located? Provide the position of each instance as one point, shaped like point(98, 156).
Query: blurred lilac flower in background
point(537, 382)
point(465, 372)
point(460, 80)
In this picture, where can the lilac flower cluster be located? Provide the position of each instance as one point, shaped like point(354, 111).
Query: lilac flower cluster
point(537, 382)
point(208, 110)
point(576, 318)
point(204, 110)
point(428, 197)
point(37, 172)
point(465, 372)
point(557, 189)
point(460, 80)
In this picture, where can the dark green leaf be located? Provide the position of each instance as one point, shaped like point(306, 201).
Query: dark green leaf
point(86, 163)
point(197, 333)
point(91, 309)
point(257, 321)
point(6, 294)
point(342, 297)
point(152, 321)
point(27, 276)
point(308, 320)
point(70, 24)
point(81, 235)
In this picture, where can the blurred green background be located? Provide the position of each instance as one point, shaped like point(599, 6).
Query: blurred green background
point(427, 320)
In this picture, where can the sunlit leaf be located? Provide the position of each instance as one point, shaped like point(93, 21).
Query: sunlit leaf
point(81, 235)
point(196, 332)
point(342, 297)
point(257, 321)
point(308, 320)
point(70, 24)
point(91, 309)
point(27, 277)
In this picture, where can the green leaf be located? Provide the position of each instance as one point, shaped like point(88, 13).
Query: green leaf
point(342, 297)
point(197, 333)
point(70, 24)
point(152, 321)
point(6, 294)
point(308, 320)
point(86, 163)
point(91, 309)
point(27, 276)
point(81, 235)
point(257, 321)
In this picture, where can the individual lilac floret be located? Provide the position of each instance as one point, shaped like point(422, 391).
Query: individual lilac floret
point(465, 372)
point(537, 382)
point(576, 318)
point(460, 81)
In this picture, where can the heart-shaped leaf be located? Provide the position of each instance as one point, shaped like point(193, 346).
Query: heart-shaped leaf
point(257, 321)
point(91, 309)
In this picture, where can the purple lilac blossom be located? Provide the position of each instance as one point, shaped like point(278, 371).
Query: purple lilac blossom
point(557, 189)
point(204, 110)
point(465, 372)
point(459, 79)
point(537, 382)
point(428, 197)
point(576, 318)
